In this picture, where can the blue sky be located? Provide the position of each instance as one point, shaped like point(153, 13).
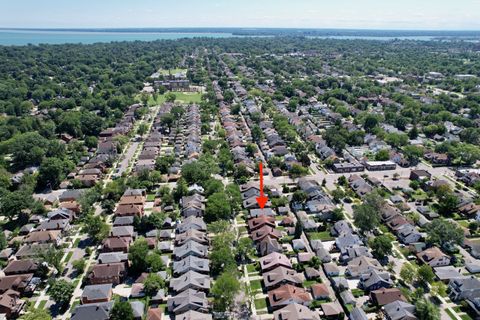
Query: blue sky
point(374, 14)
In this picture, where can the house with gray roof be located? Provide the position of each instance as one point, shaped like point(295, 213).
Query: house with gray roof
point(349, 253)
point(112, 257)
point(296, 311)
point(190, 248)
point(464, 288)
point(191, 263)
point(341, 227)
point(92, 311)
point(347, 240)
point(96, 293)
point(191, 223)
point(123, 221)
point(399, 310)
point(138, 309)
point(123, 231)
point(357, 314)
point(191, 235)
point(362, 265)
point(193, 315)
point(375, 280)
point(188, 300)
point(190, 280)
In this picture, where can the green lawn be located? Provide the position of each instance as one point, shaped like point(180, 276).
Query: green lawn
point(150, 197)
point(465, 317)
point(463, 223)
point(171, 71)
point(309, 283)
point(357, 292)
point(182, 97)
point(69, 256)
point(260, 304)
point(256, 285)
point(251, 268)
point(323, 235)
point(76, 243)
point(74, 304)
point(419, 195)
point(42, 304)
point(450, 313)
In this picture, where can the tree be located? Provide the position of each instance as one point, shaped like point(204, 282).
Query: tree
point(3, 240)
point(137, 254)
point(52, 257)
point(13, 203)
point(219, 227)
point(52, 172)
point(396, 139)
point(36, 314)
point(164, 163)
point(224, 291)
point(299, 196)
point(218, 207)
point(234, 196)
point(91, 141)
point(438, 289)
point(366, 217)
point(198, 171)
point(371, 121)
point(381, 246)
point(382, 155)
point(170, 97)
point(96, 228)
point(245, 248)
point(153, 282)
point(298, 171)
point(122, 310)
point(426, 310)
point(408, 273)
point(447, 203)
point(425, 274)
point(79, 265)
point(167, 120)
point(155, 262)
point(61, 291)
point(444, 233)
point(212, 186)
point(298, 229)
point(222, 256)
point(413, 153)
point(142, 129)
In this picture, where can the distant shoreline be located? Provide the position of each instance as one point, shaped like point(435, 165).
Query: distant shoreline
point(37, 36)
point(268, 31)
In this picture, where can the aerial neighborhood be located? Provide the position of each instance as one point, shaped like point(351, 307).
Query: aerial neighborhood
point(130, 186)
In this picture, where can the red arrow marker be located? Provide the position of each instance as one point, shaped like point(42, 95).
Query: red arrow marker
point(262, 200)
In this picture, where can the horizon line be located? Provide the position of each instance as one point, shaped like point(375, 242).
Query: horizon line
point(236, 28)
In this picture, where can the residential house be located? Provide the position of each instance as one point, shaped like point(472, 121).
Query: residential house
point(399, 310)
point(93, 311)
point(280, 276)
point(107, 273)
point(286, 295)
point(96, 293)
point(274, 260)
point(385, 296)
point(434, 257)
point(190, 280)
point(188, 300)
point(295, 311)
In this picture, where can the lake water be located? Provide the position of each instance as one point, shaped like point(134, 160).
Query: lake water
point(24, 37)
